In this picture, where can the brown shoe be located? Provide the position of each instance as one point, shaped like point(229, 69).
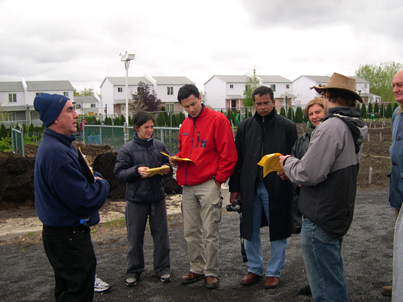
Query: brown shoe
point(387, 291)
point(191, 278)
point(271, 282)
point(211, 282)
point(249, 278)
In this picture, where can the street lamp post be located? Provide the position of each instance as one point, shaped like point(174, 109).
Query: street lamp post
point(126, 58)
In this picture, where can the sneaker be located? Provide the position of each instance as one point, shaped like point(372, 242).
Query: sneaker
point(100, 286)
point(131, 281)
point(165, 278)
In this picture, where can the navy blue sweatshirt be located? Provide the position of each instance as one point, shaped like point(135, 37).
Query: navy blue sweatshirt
point(63, 195)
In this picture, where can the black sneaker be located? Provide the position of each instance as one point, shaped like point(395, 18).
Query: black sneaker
point(132, 281)
point(165, 278)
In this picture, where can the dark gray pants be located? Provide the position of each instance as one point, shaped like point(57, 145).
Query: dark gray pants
point(136, 220)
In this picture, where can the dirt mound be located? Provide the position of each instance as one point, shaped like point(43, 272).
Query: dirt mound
point(17, 174)
point(16, 178)
point(105, 163)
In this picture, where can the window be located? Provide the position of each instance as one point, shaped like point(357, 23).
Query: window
point(273, 87)
point(78, 106)
point(93, 105)
point(287, 86)
point(170, 90)
point(66, 94)
point(11, 116)
point(12, 98)
point(120, 89)
point(170, 107)
point(231, 86)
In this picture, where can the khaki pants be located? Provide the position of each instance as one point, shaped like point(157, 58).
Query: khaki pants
point(201, 210)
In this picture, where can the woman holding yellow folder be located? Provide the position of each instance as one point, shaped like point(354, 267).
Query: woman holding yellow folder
point(137, 164)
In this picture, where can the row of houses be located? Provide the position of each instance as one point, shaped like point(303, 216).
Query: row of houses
point(220, 92)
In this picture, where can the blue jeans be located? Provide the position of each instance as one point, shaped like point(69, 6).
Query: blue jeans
point(323, 263)
point(253, 248)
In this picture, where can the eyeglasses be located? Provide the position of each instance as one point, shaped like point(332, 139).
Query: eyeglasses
point(399, 85)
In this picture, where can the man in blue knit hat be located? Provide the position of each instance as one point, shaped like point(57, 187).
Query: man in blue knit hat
point(66, 202)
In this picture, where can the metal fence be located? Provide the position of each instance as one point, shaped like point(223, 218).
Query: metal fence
point(114, 136)
point(17, 141)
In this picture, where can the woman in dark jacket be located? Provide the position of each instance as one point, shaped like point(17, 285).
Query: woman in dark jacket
point(145, 198)
point(315, 112)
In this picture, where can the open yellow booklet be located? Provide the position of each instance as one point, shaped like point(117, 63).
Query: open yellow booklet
point(270, 163)
point(156, 171)
point(178, 158)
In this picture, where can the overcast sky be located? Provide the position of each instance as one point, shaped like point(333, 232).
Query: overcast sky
point(80, 41)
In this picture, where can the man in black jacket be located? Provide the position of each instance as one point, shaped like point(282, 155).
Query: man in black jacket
point(266, 201)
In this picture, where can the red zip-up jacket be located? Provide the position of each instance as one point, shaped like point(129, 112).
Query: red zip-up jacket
point(209, 142)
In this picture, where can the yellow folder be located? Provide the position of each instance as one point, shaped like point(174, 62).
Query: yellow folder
point(270, 163)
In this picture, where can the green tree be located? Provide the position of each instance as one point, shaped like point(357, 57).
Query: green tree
point(230, 117)
point(3, 131)
point(247, 113)
point(381, 77)
point(107, 121)
point(116, 122)
point(363, 111)
point(382, 110)
point(370, 108)
point(299, 115)
point(31, 130)
point(174, 121)
point(376, 107)
point(290, 113)
point(252, 84)
point(181, 118)
point(84, 92)
point(389, 111)
point(282, 111)
point(161, 121)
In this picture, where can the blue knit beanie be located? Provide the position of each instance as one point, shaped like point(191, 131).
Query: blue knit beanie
point(49, 107)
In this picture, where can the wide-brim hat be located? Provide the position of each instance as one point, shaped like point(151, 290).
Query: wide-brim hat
point(339, 81)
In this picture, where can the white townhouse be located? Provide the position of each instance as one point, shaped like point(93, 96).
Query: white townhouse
point(304, 94)
point(88, 105)
point(302, 89)
point(16, 99)
point(227, 91)
point(113, 91)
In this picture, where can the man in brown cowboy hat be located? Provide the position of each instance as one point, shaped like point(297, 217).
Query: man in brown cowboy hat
point(328, 177)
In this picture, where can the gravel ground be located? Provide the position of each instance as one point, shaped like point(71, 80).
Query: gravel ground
point(26, 275)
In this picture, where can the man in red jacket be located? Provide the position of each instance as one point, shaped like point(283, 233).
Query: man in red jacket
point(206, 138)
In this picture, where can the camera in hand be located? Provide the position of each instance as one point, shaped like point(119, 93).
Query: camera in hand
point(236, 207)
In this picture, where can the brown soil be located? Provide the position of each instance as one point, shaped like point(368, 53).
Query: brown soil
point(16, 175)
